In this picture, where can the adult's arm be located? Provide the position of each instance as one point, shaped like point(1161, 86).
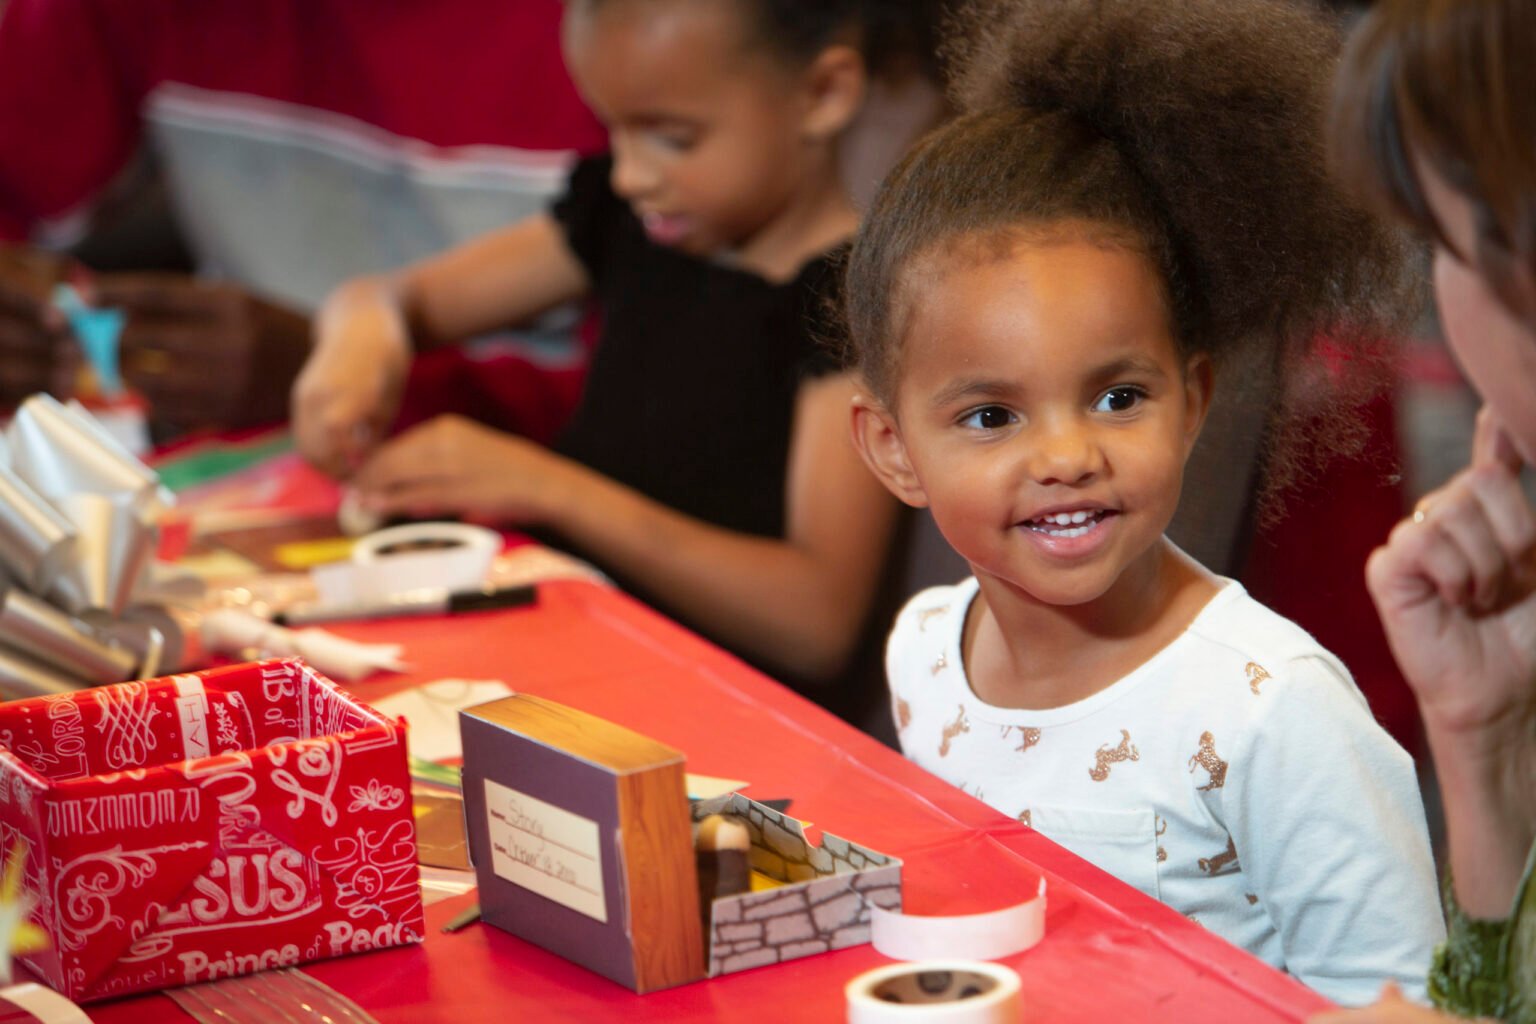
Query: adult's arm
point(1455, 586)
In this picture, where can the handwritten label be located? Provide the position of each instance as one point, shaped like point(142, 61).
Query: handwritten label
point(546, 849)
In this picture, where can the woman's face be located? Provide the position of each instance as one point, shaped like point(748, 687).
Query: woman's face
point(1495, 347)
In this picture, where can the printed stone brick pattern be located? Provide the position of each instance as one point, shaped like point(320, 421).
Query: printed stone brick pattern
point(825, 906)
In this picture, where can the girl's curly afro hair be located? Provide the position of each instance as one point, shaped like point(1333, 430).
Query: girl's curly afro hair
point(1193, 130)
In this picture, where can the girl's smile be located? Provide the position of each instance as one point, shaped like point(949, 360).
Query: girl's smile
point(1059, 532)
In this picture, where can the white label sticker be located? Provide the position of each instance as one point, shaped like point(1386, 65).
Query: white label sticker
point(546, 849)
point(192, 708)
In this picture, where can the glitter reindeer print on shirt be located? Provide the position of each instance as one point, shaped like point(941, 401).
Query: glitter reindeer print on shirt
point(1028, 736)
point(1222, 861)
point(1106, 756)
point(953, 729)
point(1206, 758)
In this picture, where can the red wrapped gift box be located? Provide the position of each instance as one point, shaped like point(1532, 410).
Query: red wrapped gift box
point(201, 826)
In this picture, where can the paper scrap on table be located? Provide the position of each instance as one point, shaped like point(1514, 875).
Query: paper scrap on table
point(432, 712)
point(234, 631)
point(707, 787)
point(438, 884)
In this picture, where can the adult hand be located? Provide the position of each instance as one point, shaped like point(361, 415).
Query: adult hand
point(36, 353)
point(1455, 587)
point(454, 466)
point(348, 392)
point(1392, 1009)
point(204, 353)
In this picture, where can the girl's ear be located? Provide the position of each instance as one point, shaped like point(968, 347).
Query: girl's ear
point(878, 439)
point(835, 84)
point(1199, 387)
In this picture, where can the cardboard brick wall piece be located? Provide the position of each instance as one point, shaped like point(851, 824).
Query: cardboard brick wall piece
point(824, 903)
point(580, 832)
point(203, 826)
point(577, 829)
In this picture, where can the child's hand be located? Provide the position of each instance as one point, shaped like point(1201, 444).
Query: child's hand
point(347, 395)
point(1456, 591)
point(453, 466)
point(1392, 1009)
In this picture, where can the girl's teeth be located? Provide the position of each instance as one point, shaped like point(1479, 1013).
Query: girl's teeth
point(1068, 518)
point(1077, 523)
point(1076, 531)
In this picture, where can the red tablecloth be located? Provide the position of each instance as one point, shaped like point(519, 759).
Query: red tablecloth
point(1110, 953)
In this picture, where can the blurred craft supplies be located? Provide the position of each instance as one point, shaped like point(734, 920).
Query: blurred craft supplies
point(440, 839)
point(274, 541)
point(78, 520)
point(97, 331)
point(432, 713)
point(428, 601)
point(416, 556)
point(283, 996)
point(238, 632)
point(78, 524)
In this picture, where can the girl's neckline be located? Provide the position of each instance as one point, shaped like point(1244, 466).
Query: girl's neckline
point(725, 263)
point(729, 262)
point(1229, 590)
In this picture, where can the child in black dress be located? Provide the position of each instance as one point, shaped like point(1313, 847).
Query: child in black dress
point(709, 464)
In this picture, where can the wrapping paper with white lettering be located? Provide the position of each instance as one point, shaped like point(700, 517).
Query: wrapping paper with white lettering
point(203, 826)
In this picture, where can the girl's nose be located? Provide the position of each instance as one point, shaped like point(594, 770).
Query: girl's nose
point(1063, 453)
point(632, 177)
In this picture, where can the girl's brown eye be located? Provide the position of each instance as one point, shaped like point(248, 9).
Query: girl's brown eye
point(989, 417)
point(1121, 399)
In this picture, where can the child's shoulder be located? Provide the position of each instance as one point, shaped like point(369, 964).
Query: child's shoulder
point(1234, 618)
point(932, 619)
point(926, 607)
point(1266, 648)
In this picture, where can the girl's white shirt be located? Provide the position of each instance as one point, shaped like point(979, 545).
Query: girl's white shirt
point(1237, 775)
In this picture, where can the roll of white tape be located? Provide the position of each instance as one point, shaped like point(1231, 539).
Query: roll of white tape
point(936, 992)
point(997, 933)
point(417, 556)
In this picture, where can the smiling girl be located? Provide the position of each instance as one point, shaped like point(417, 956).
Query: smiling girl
point(708, 466)
point(1039, 300)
